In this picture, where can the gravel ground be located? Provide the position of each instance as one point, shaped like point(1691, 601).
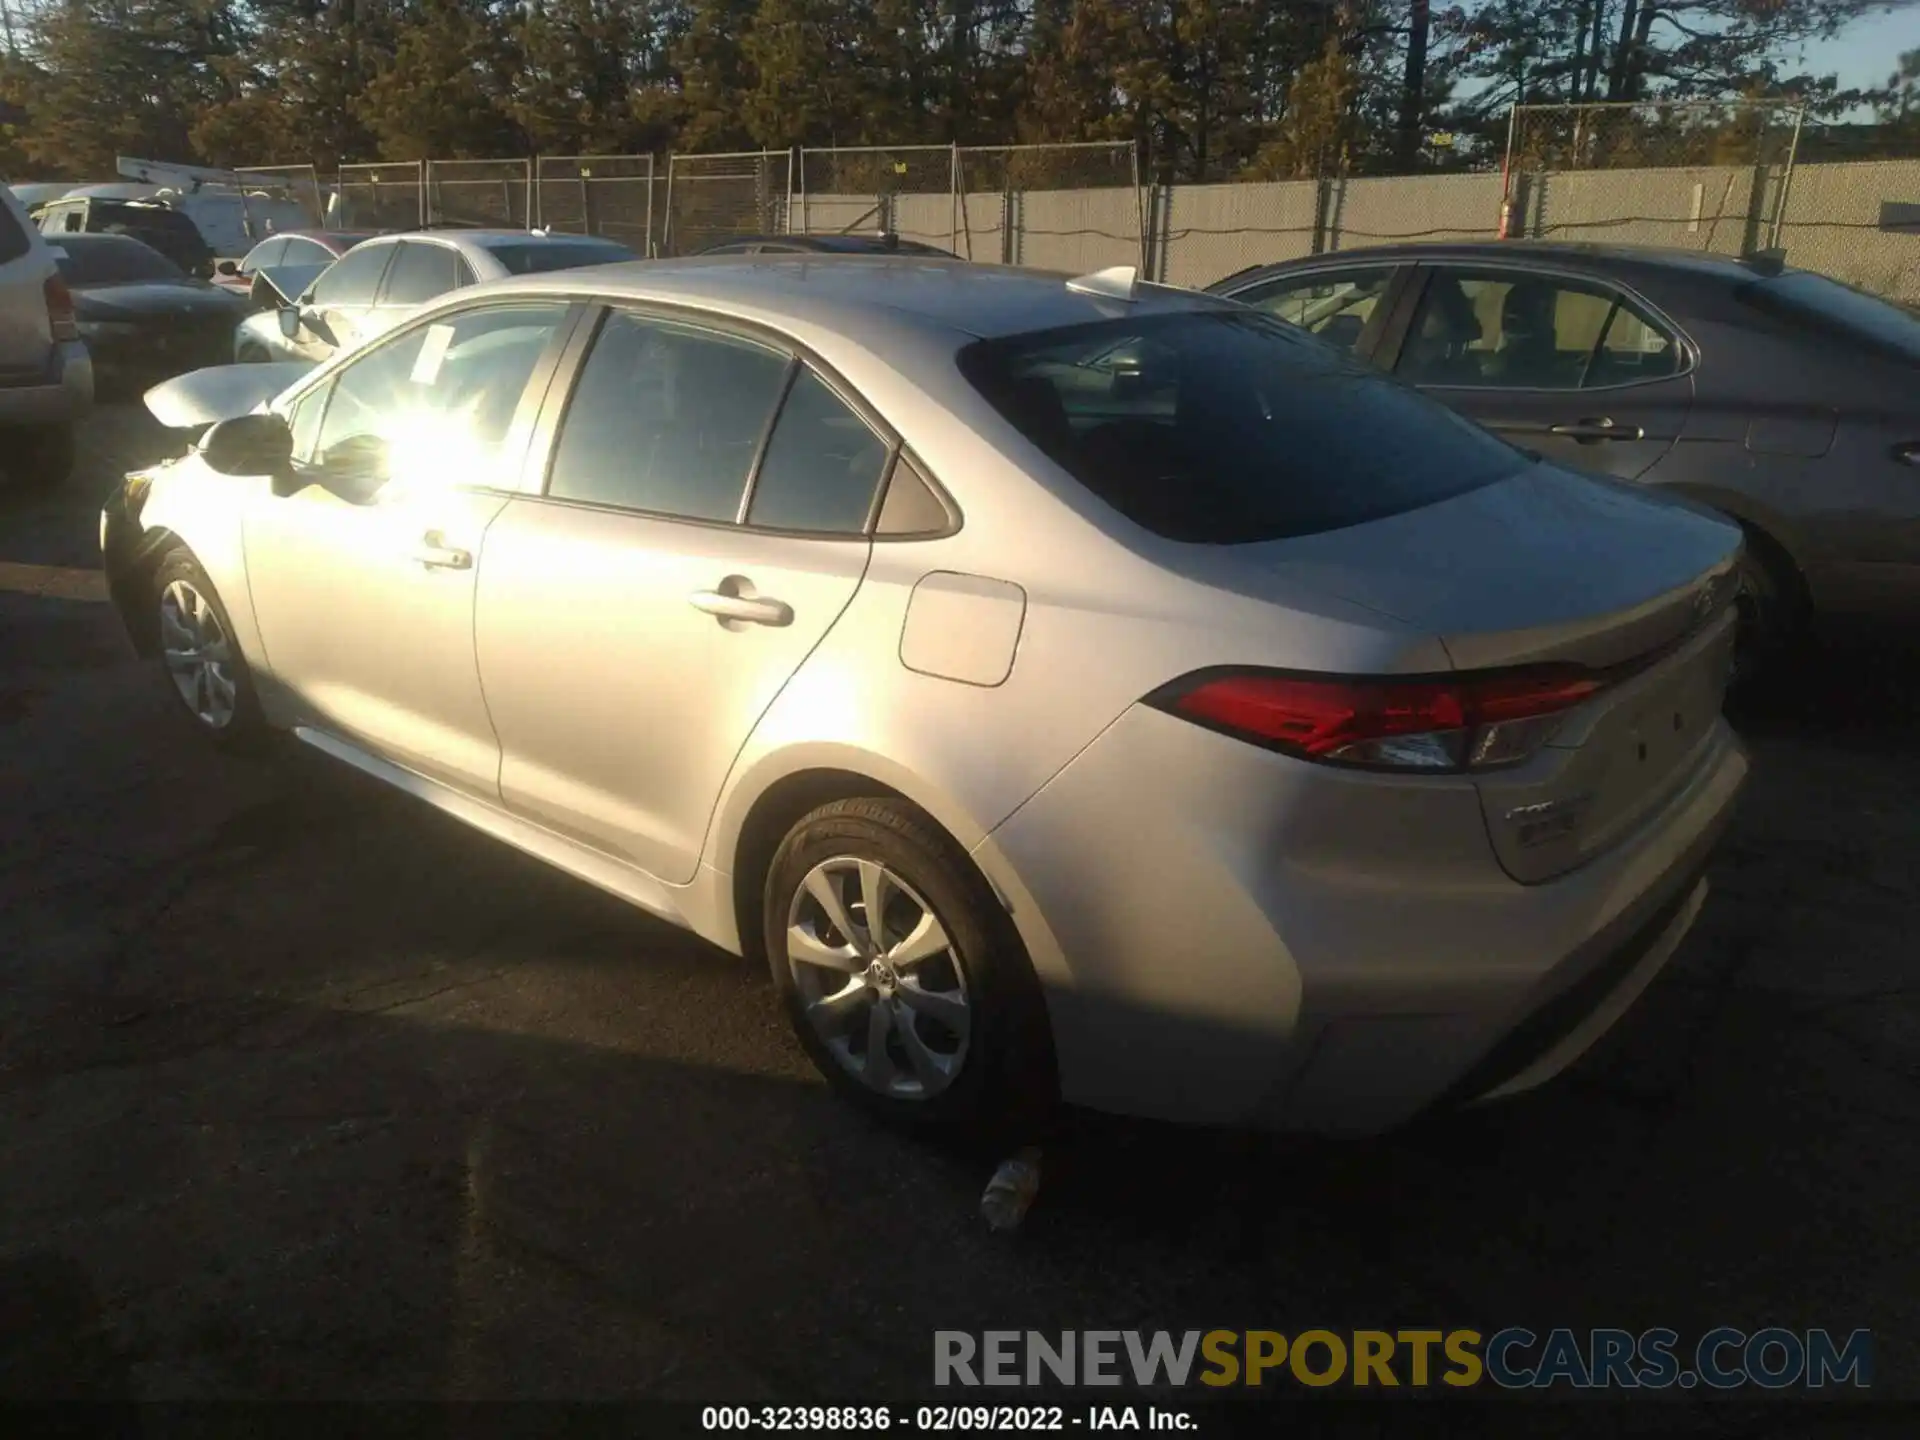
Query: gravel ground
point(306, 1091)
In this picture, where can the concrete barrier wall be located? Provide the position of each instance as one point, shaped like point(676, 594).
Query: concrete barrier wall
point(1201, 233)
point(1833, 225)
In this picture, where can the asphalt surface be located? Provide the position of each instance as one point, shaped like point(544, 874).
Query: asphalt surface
point(306, 1091)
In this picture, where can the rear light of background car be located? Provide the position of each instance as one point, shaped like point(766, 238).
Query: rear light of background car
point(1464, 722)
point(60, 321)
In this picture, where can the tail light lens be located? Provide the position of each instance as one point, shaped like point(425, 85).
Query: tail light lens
point(60, 320)
point(1465, 722)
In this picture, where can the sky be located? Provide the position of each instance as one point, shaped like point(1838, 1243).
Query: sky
point(1866, 52)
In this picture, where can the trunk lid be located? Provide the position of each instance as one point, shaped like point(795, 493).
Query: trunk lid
point(1553, 567)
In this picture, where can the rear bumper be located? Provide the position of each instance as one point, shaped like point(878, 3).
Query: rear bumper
point(1229, 936)
point(62, 396)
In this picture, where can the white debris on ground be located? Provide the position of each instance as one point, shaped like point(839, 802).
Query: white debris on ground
point(1010, 1192)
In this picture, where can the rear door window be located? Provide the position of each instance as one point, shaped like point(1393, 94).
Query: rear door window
point(822, 465)
point(420, 273)
point(1511, 330)
point(666, 418)
point(1223, 427)
point(353, 278)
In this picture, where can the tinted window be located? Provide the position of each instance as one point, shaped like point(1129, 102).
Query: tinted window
point(536, 258)
point(911, 506)
point(13, 238)
point(1334, 307)
point(666, 418)
point(1529, 332)
point(433, 408)
point(263, 256)
point(420, 273)
point(301, 251)
point(1222, 427)
point(352, 279)
point(1836, 307)
point(112, 259)
point(822, 464)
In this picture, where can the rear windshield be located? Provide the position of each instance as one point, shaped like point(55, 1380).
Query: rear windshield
point(110, 259)
point(537, 259)
point(1836, 307)
point(1228, 427)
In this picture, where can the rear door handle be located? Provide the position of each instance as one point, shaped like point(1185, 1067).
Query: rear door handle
point(436, 554)
point(1598, 427)
point(754, 609)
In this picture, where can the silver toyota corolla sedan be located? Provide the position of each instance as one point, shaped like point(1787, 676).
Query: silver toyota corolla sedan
point(1075, 689)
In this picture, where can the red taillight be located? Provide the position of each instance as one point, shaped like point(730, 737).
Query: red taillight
point(1450, 723)
point(60, 321)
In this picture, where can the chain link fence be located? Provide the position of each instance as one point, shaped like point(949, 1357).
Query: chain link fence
point(298, 183)
point(1852, 209)
point(381, 197)
point(1072, 207)
point(1696, 175)
point(715, 198)
point(482, 194)
point(606, 195)
point(903, 189)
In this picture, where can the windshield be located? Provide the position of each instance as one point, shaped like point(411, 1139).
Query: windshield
point(1833, 306)
point(112, 260)
point(1229, 427)
point(536, 258)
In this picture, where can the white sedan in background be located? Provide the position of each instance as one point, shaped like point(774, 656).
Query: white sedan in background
point(383, 281)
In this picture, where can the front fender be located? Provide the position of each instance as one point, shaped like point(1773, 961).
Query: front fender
point(180, 502)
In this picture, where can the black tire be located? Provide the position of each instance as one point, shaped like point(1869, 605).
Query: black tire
point(244, 731)
point(1003, 1087)
point(40, 458)
point(1773, 609)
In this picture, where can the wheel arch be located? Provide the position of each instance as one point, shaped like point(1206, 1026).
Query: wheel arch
point(763, 804)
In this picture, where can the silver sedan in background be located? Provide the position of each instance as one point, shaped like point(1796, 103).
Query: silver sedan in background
point(1072, 689)
point(382, 281)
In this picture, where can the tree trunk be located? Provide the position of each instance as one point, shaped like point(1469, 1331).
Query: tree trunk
point(1413, 85)
point(1623, 51)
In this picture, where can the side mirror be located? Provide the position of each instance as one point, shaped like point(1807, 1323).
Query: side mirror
point(249, 445)
point(290, 321)
point(227, 267)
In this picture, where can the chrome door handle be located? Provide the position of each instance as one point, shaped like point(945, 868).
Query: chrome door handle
point(1599, 427)
point(436, 555)
point(754, 609)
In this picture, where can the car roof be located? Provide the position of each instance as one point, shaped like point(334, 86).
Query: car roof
point(844, 292)
point(1580, 254)
point(846, 244)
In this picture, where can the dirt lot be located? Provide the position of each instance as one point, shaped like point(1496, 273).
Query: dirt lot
point(306, 1091)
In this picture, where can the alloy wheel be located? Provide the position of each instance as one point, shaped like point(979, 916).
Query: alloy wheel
point(198, 654)
point(878, 978)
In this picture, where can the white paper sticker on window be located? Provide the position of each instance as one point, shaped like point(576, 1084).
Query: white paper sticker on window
point(426, 369)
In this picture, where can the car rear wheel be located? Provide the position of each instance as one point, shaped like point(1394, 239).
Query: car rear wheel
point(902, 976)
point(41, 457)
point(204, 668)
point(1772, 608)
